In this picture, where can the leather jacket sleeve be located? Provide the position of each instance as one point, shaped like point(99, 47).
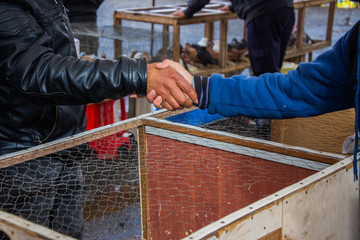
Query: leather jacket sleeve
point(194, 6)
point(37, 63)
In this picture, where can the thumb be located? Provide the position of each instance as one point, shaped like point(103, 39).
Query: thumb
point(163, 64)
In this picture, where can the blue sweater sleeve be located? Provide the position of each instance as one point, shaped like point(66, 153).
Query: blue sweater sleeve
point(313, 88)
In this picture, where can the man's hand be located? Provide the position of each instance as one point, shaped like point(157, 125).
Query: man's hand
point(151, 97)
point(225, 8)
point(174, 89)
point(179, 13)
point(180, 69)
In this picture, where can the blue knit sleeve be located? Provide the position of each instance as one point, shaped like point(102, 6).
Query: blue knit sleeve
point(312, 89)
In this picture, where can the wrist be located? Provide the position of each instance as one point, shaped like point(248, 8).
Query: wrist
point(202, 86)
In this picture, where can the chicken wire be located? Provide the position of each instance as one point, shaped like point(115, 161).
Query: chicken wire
point(111, 41)
point(153, 177)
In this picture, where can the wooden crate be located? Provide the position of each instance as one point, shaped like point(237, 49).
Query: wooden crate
point(323, 133)
point(190, 177)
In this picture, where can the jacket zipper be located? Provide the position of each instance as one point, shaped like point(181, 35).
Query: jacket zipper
point(53, 128)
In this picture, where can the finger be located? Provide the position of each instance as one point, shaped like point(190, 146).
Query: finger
point(174, 103)
point(157, 102)
point(160, 106)
point(189, 90)
point(176, 97)
point(163, 64)
point(151, 96)
point(167, 106)
point(179, 91)
point(133, 96)
point(178, 67)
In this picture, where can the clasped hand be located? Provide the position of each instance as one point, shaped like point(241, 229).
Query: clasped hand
point(169, 85)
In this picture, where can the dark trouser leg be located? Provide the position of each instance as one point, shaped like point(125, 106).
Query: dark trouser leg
point(67, 213)
point(268, 36)
point(286, 29)
point(46, 191)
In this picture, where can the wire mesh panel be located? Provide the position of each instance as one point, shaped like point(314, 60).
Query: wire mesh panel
point(111, 41)
point(149, 178)
point(195, 179)
point(326, 132)
point(111, 188)
point(86, 186)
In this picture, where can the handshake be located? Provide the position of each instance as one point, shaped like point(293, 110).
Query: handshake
point(169, 86)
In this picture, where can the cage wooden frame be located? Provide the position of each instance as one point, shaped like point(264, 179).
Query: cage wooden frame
point(156, 120)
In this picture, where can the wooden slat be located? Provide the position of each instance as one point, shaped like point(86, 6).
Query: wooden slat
point(18, 228)
point(275, 235)
point(223, 43)
point(145, 219)
point(176, 43)
point(209, 30)
point(330, 22)
point(68, 142)
point(286, 150)
point(310, 3)
point(300, 28)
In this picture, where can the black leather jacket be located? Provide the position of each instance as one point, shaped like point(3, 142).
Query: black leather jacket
point(43, 86)
point(245, 9)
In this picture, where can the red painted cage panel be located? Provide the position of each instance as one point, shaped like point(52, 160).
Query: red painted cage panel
point(190, 186)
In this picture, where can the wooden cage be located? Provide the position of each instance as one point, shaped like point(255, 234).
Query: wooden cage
point(196, 183)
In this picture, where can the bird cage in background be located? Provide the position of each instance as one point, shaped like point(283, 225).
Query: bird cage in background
point(113, 41)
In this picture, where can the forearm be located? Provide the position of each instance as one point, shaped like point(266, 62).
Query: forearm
point(273, 95)
point(30, 65)
point(314, 88)
point(194, 6)
point(53, 79)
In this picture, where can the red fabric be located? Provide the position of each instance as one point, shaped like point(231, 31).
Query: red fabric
point(102, 114)
point(122, 109)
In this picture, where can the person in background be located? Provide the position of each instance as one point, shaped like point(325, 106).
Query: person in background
point(329, 83)
point(44, 91)
point(82, 10)
point(83, 15)
point(268, 28)
point(268, 24)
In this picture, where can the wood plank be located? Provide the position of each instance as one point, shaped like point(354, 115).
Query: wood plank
point(275, 235)
point(266, 146)
point(68, 142)
point(209, 30)
point(142, 152)
point(176, 43)
point(17, 228)
point(331, 16)
point(223, 43)
point(300, 28)
point(310, 3)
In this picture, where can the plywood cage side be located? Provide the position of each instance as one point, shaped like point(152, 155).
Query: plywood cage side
point(322, 206)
